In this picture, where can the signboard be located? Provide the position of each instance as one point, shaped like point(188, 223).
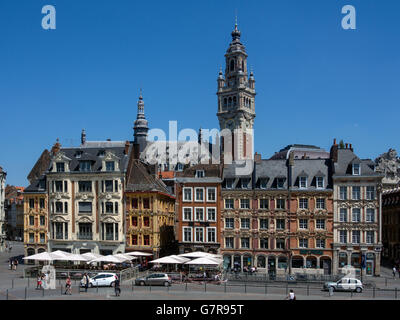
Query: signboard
point(318, 252)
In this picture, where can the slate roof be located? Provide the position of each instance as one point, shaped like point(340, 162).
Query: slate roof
point(40, 167)
point(301, 151)
point(38, 185)
point(343, 167)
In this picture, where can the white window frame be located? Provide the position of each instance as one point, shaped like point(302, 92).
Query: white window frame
point(207, 216)
point(367, 215)
point(359, 169)
point(352, 236)
point(249, 247)
point(352, 215)
point(183, 213)
point(247, 185)
point(367, 237)
point(368, 193)
point(195, 213)
point(301, 244)
point(306, 202)
point(191, 194)
point(343, 232)
point(346, 215)
point(317, 205)
point(246, 207)
point(215, 194)
point(229, 183)
point(191, 234)
point(259, 223)
point(303, 179)
point(200, 174)
point(195, 234)
point(323, 182)
point(318, 227)
point(318, 243)
point(259, 203)
point(215, 234)
point(340, 192)
point(259, 243)
point(226, 226)
point(233, 243)
point(195, 194)
point(301, 224)
point(352, 193)
point(230, 199)
point(241, 225)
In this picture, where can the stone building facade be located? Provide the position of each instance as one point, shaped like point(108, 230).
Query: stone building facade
point(391, 225)
point(357, 212)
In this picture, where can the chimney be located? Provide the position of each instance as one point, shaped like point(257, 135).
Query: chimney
point(126, 150)
point(351, 147)
point(108, 139)
point(257, 157)
point(83, 137)
point(56, 147)
point(334, 151)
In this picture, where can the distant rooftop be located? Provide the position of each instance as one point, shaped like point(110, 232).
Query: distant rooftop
point(301, 151)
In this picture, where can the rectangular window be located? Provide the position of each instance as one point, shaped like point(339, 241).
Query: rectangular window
point(229, 183)
point(134, 240)
point(280, 183)
point(199, 173)
point(370, 217)
point(280, 243)
point(134, 221)
point(280, 224)
point(244, 203)
point(146, 240)
point(187, 194)
point(245, 243)
point(42, 220)
point(31, 204)
point(229, 223)
point(303, 203)
point(187, 234)
point(264, 243)
point(263, 183)
point(356, 193)
point(65, 186)
point(109, 185)
point(320, 203)
point(211, 194)
point(199, 236)
point(264, 224)
point(245, 183)
point(199, 194)
point(85, 207)
point(320, 224)
point(370, 193)
point(85, 166)
point(85, 231)
point(109, 207)
point(146, 221)
point(31, 220)
point(356, 169)
point(229, 242)
point(245, 223)
point(85, 186)
point(355, 236)
point(134, 203)
point(211, 234)
point(320, 243)
point(303, 182)
point(303, 243)
point(199, 214)
point(229, 203)
point(115, 185)
point(146, 203)
point(42, 238)
point(65, 207)
point(60, 166)
point(211, 214)
point(59, 207)
point(320, 182)
point(32, 237)
point(59, 186)
point(115, 207)
point(187, 214)
point(343, 236)
point(343, 215)
point(356, 215)
point(303, 223)
point(370, 237)
point(263, 203)
point(110, 166)
point(343, 193)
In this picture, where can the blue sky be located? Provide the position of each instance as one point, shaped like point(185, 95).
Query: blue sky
point(314, 80)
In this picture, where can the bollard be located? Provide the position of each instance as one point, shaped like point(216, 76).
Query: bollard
point(373, 291)
point(205, 286)
point(395, 293)
point(351, 293)
point(308, 289)
point(245, 287)
point(25, 293)
point(42, 292)
point(265, 289)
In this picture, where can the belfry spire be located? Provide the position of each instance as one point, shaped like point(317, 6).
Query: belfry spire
point(140, 128)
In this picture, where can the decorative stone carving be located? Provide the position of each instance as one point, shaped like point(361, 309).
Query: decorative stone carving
point(388, 163)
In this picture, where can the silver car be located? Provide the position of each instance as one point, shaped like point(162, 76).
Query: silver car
point(345, 284)
point(155, 279)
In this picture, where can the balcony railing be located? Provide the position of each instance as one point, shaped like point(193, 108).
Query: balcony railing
point(85, 236)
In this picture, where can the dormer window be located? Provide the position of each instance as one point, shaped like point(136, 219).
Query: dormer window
point(356, 169)
point(179, 167)
point(101, 153)
point(245, 183)
point(84, 166)
point(320, 182)
point(263, 183)
point(303, 182)
point(78, 154)
point(280, 182)
point(110, 166)
point(229, 183)
point(60, 166)
point(199, 173)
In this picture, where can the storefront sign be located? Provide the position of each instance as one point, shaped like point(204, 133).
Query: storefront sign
point(317, 252)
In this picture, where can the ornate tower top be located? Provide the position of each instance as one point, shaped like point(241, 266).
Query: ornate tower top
point(140, 128)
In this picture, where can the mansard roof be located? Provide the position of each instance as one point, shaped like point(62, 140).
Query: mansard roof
point(343, 166)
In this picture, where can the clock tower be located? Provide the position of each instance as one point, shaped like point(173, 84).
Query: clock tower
point(236, 97)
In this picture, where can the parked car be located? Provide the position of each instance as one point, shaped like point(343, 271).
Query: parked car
point(345, 284)
point(161, 279)
point(103, 279)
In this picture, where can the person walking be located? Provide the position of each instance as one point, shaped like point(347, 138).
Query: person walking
point(15, 264)
point(68, 286)
point(10, 264)
point(117, 287)
point(84, 282)
point(291, 296)
point(39, 282)
point(394, 272)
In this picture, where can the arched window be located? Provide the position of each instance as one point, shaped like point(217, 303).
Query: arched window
point(227, 262)
point(261, 262)
point(342, 259)
point(230, 101)
point(225, 102)
point(232, 66)
point(282, 262)
point(356, 259)
point(234, 101)
point(311, 262)
point(297, 262)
